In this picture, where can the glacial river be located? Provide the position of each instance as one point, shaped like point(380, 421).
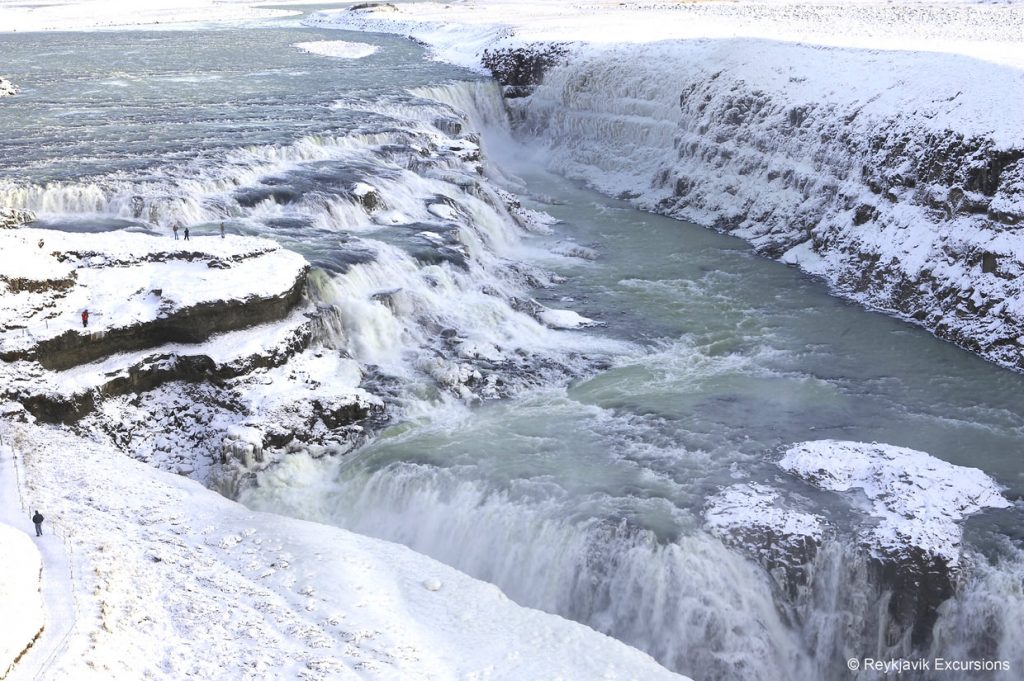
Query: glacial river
point(581, 489)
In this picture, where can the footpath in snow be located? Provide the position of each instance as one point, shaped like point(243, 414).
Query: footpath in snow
point(45, 616)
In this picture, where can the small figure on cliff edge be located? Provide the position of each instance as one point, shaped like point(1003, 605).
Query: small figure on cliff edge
point(38, 520)
point(175, 228)
point(186, 234)
point(85, 318)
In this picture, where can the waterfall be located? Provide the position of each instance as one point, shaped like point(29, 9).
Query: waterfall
point(693, 604)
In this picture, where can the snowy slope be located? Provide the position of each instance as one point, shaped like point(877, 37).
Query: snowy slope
point(182, 583)
point(21, 608)
point(875, 144)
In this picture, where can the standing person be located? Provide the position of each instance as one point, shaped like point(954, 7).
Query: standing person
point(38, 520)
point(176, 231)
point(85, 318)
point(186, 234)
point(222, 230)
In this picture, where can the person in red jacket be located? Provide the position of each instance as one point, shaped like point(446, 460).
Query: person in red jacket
point(85, 318)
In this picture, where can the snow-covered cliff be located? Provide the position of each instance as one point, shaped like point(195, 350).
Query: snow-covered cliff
point(897, 176)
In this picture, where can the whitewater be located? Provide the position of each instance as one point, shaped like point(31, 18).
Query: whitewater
point(620, 418)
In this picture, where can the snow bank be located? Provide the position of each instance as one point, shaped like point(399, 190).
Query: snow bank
point(57, 15)
point(173, 571)
point(22, 604)
point(917, 499)
point(459, 33)
point(338, 48)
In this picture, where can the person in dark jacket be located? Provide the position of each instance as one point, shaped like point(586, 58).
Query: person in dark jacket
point(85, 318)
point(186, 234)
point(38, 520)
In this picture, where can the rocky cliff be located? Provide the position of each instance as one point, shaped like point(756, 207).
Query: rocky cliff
point(193, 355)
point(900, 181)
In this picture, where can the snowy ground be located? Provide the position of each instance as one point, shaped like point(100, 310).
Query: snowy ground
point(19, 593)
point(460, 31)
point(57, 15)
point(49, 278)
point(182, 583)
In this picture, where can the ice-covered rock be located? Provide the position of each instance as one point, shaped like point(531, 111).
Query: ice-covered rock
point(912, 530)
point(7, 88)
point(918, 500)
point(754, 519)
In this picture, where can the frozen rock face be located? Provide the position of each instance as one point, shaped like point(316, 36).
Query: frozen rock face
point(10, 218)
point(899, 178)
point(186, 342)
point(520, 70)
point(908, 532)
point(754, 519)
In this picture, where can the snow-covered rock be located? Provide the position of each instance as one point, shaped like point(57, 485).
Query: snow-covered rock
point(912, 529)
point(754, 519)
point(22, 604)
point(188, 344)
point(139, 291)
point(11, 218)
point(178, 582)
point(896, 526)
point(918, 500)
point(7, 88)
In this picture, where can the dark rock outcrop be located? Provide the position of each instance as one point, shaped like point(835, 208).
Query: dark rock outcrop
point(187, 325)
point(520, 69)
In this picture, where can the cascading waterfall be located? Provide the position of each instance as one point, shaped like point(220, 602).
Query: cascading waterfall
point(690, 602)
point(421, 274)
point(637, 567)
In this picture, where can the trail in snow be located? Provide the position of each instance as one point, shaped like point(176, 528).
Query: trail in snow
point(57, 579)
